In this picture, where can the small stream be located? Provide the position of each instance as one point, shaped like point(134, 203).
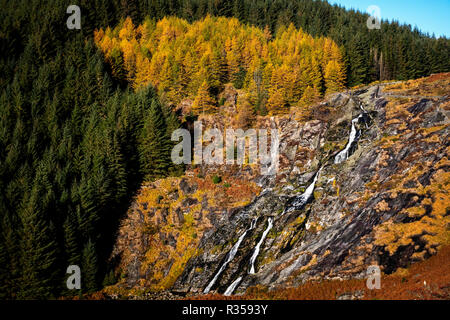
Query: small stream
point(258, 246)
point(295, 204)
point(230, 256)
point(299, 202)
point(232, 287)
point(354, 136)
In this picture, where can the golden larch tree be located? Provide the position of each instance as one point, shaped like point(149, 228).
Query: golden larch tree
point(203, 102)
point(334, 77)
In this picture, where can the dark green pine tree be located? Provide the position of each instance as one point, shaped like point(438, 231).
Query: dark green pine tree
point(239, 10)
point(38, 253)
point(202, 9)
point(9, 258)
point(172, 124)
point(89, 268)
point(5, 268)
point(171, 118)
point(187, 10)
point(4, 272)
point(154, 144)
point(224, 8)
point(357, 56)
point(70, 241)
point(130, 9)
point(71, 250)
point(104, 11)
point(109, 279)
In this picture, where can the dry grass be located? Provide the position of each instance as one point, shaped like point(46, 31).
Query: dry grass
point(435, 85)
point(162, 211)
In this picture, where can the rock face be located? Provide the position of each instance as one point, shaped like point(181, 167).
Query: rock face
point(386, 204)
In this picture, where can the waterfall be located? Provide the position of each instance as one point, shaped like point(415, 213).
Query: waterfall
point(354, 135)
point(230, 256)
point(256, 252)
point(253, 224)
point(362, 108)
point(233, 286)
point(300, 201)
point(365, 113)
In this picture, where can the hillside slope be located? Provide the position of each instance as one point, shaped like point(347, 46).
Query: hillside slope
point(76, 139)
point(386, 204)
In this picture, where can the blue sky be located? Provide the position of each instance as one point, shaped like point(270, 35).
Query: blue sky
point(432, 16)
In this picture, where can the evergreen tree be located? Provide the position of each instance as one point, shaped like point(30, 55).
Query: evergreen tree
point(38, 252)
point(4, 272)
point(334, 77)
point(309, 97)
point(359, 67)
point(110, 279)
point(154, 144)
point(70, 241)
point(89, 268)
point(276, 104)
point(9, 258)
point(203, 102)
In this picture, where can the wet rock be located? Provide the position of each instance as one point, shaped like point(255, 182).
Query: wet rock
point(334, 235)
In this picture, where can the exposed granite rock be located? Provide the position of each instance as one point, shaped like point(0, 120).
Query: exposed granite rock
point(387, 204)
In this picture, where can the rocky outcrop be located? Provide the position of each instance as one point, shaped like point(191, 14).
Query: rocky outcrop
point(386, 203)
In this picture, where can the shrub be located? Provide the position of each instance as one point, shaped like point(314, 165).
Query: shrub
point(216, 179)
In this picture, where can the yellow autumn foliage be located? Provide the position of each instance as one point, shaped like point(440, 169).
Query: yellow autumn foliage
point(178, 57)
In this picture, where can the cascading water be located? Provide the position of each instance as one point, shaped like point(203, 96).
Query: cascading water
point(253, 224)
point(257, 248)
point(230, 256)
point(235, 283)
point(299, 202)
point(354, 136)
point(233, 286)
point(296, 204)
point(362, 108)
